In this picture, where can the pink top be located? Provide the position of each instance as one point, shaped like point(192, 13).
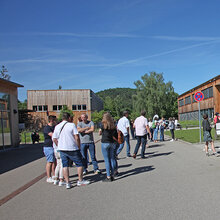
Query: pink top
point(140, 126)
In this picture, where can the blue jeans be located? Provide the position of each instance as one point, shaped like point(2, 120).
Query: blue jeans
point(75, 156)
point(109, 157)
point(115, 164)
point(162, 134)
point(84, 152)
point(126, 139)
point(141, 140)
point(155, 134)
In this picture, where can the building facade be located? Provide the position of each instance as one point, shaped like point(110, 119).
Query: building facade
point(188, 107)
point(9, 131)
point(51, 102)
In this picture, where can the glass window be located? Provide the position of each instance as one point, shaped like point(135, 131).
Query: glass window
point(54, 107)
point(35, 108)
point(188, 100)
point(181, 102)
point(84, 107)
point(60, 107)
point(74, 107)
point(208, 93)
point(45, 108)
point(79, 107)
point(193, 98)
point(40, 108)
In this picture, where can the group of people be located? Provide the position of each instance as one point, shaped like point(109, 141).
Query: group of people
point(66, 143)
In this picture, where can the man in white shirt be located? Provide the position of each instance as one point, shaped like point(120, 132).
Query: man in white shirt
point(141, 129)
point(124, 125)
point(66, 138)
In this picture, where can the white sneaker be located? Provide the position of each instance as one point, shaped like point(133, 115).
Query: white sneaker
point(56, 182)
point(68, 185)
point(62, 183)
point(83, 182)
point(50, 180)
point(171, 140)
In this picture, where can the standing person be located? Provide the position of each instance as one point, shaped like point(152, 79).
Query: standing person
point(67, 139)
point(172, 128)
point(150, 123)
point(155, 126)
point(48, 148)
point(161, 128)
point(132, 128)
point(141, 129)
point(108, 131)
point(207, 135)
point(123, 126)
point(86, 129)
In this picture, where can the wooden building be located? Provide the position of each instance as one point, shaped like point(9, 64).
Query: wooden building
point(51, 102)
point(188, 107)
point(9, 132)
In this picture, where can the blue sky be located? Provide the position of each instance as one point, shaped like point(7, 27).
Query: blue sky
point(100, 44)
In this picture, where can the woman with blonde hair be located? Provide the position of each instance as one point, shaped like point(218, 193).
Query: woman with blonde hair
point(108, 131)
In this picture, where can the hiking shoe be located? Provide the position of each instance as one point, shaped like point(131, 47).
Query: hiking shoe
point(97, 171)
point(134, 156)
point(50, 180)
point(82, 183)
point(56, 182)
point(62, 183)
point(68, 186)
point(85, 172)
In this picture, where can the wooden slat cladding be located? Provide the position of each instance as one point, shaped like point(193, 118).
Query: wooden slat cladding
point(208, 103)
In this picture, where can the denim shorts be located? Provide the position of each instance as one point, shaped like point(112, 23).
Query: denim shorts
point(49, 153)
point(75, 156)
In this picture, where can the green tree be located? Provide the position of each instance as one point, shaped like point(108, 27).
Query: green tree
point(3, 74)
point(155, 96)
point(65, 109)
point(97, 116)
point(22, 105)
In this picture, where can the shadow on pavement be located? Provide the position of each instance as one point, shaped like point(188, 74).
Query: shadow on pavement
point(17, 157)
point(134, 171)
point(161, 154)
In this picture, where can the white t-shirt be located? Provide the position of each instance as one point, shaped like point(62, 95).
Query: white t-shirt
point(66, 140)
point(140, 126)
point(123, 124)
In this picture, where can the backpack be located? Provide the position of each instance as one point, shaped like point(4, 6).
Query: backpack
point(154, 125)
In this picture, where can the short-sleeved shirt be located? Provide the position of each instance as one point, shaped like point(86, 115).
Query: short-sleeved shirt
point(123, 124)
point(86, 138)
point(66, 139)
point(140, 126)
point(107, 135)
point(47, 139)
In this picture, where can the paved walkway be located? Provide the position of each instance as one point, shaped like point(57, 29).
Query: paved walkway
point(175, 181)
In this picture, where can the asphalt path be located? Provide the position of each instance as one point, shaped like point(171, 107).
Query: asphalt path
point(175, 181)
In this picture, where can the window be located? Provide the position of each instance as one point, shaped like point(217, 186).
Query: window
point(74, 107)
point(84, 107)
point(40, 108)
point(60, 107)
point(45, 108)
point(54, 107)
point(188, 100)
point(79, 107)
point(208, 93)
point(181, 102)
point(193, 98)
point(35, 108)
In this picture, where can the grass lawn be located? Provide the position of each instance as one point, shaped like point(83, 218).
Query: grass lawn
point(28, 137)
point(190, 135)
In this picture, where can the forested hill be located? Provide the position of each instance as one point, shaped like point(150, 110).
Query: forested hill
point(117, 100)
point(124, 93)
